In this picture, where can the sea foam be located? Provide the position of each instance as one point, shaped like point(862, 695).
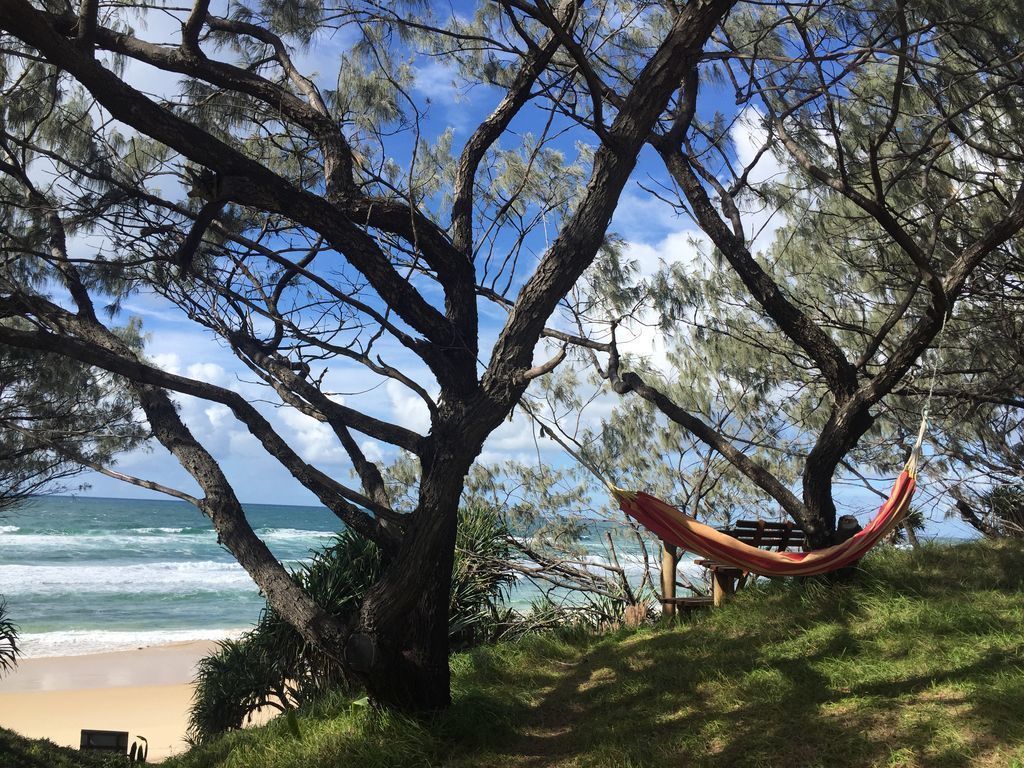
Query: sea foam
point(146, 578)
point(79, 642)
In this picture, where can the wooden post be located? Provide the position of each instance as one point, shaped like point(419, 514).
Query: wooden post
point(724, 584)
point(669, 561)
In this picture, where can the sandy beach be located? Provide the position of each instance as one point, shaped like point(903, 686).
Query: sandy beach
point(146, 692)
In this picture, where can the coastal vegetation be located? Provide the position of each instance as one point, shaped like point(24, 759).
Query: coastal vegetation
point(844, 190)
point(9, 650)
point(19, 752)
point(272, 667)
point(917, 662)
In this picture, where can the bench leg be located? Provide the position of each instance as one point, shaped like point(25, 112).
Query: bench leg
point(724, 586)
point(669, 561)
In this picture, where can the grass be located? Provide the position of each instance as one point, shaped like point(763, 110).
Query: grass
point(918, 663)
point(19, 752)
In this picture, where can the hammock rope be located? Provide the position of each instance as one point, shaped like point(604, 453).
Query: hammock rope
point(676, 527)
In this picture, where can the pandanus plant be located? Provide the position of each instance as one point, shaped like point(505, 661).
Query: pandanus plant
point(9, 650)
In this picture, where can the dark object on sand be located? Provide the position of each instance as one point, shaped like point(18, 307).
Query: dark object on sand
point(104, 741)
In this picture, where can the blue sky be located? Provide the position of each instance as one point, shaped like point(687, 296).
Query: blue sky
point(654, 233)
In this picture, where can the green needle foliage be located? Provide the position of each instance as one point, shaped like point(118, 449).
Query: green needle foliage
point(56, 417)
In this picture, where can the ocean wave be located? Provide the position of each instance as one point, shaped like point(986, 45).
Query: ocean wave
point(189, 531)
point(292, 533)
point(77, 642)
point(9, 529)
point(138, 579)
point(145, 538)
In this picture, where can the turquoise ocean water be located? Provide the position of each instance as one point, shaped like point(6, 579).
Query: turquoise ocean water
point(84, 574)
point(87, 574)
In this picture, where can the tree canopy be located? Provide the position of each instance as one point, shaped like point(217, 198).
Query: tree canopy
point(308, 212)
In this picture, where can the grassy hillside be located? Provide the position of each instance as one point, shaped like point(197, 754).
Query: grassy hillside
point(919, 663)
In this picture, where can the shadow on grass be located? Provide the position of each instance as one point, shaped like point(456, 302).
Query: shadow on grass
point(917, 663)
point(786, 676)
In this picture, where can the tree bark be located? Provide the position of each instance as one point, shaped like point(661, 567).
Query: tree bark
point(400, 647)
point(842, 432)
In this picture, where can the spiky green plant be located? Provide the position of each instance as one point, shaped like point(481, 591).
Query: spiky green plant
point(273, 666)
point(480, 578)
point(9, 650)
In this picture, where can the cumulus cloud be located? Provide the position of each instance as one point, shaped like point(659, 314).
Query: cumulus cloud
point(685, 245)
point(312, 439)
point(167, 361)
point(407, 408)
point(211, 373)
point(371, 450)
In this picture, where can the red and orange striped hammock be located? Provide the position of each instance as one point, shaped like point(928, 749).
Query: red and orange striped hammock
point(678, 528)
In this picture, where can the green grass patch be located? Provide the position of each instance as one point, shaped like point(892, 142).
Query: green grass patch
point(19, 752)
point(918, 662)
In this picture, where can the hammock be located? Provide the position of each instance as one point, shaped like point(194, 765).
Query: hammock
point(678, 528)
point(674, 526)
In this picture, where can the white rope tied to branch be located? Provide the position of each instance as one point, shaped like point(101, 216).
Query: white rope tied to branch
point(915, 453)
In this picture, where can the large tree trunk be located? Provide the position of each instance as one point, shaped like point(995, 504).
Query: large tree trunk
point(400, 647)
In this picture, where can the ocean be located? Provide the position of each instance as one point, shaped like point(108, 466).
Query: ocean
point(90, 574)
point(84, 574)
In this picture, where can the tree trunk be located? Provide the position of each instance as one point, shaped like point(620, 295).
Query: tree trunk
point(408, 647)
point(400, 646)
point(845, 427)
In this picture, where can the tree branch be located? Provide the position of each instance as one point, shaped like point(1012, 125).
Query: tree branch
point(631, 382)
point(492, 127)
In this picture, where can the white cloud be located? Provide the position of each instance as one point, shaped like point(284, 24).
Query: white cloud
point(642, 217)
point(749, 136)
point(218, 415)
point(312, 439)
point(166, 361)
point(685, 245)
point(211, 373)
point(407, 408)
point(458, 107)
point(438, 82)
point(760, 222)
point(371, 450)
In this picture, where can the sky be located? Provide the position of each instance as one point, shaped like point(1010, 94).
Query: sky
point(653, 232)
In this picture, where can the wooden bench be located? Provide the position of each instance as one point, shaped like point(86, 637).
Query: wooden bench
point(725, 578)
point(104, 741)
point(670, 604)
point(776, 537)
